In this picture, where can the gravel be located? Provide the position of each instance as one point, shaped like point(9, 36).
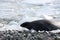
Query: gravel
point(27, 35)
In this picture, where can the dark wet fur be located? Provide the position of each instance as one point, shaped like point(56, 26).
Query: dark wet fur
point(40, 25)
